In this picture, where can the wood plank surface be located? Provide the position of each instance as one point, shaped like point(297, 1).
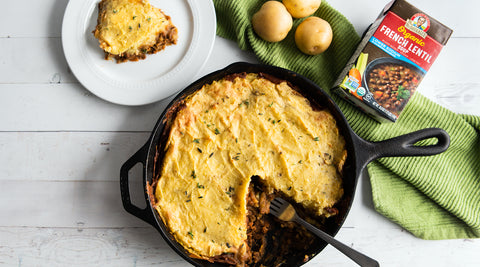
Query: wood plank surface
point(44, 18)
point(82, 246)
point(61, 149)
point(450, 82)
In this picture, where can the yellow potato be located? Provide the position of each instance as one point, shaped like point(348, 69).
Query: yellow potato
point(272, 22)
point(313, 36)
point(301, 8)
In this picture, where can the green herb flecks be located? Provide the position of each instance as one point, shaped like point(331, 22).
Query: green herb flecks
point(245, 102)
point(196, 141)
point(403, 93)
point(193, 175)
point(199, 150)
point(230, 190)
point(316, 139)
point(217, 132)
point(190, 234)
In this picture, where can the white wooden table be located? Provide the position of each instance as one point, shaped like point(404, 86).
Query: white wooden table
point(61, 149)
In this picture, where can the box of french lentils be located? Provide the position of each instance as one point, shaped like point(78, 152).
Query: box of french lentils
point(393, 56)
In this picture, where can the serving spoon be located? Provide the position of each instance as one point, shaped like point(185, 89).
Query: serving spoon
point(283, 210)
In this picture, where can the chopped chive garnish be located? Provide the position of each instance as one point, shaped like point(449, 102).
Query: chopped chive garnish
point(217, 132)
point(199, 150)
point(134, 17)
point(211, 155)
point(190, 234)
point(196, 141)
point(316, 139)
point(193, 175)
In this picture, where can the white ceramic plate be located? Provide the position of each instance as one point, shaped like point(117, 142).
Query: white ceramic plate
point(142, 82)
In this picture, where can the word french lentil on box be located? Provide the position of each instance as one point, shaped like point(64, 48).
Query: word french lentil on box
point(394, 55)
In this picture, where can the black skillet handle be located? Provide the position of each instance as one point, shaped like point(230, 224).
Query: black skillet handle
point(144, 214)
point(403, 146)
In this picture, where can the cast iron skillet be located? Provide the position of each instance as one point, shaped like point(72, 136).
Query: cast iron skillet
point(360, 153)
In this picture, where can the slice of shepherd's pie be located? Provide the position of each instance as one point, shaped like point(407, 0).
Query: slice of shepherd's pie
point(130, 29)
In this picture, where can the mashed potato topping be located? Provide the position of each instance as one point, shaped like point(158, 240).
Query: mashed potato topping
point(129, 29)
point(228, 132)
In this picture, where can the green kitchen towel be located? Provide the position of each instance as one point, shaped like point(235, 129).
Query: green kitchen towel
point(435, 197)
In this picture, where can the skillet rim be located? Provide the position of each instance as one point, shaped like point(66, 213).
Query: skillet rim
point(313, 92)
